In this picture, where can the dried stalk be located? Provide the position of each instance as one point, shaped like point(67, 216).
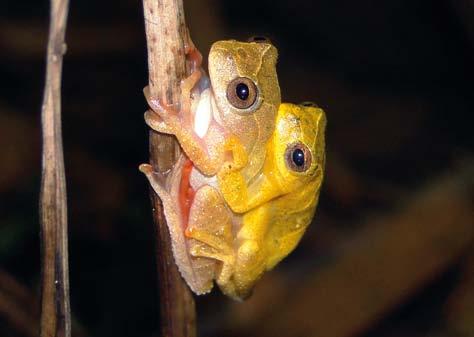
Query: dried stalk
point(55, 308)
point(165, 32)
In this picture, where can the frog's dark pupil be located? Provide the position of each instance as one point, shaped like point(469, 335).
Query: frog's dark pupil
point(298, 157)
point(242, 91)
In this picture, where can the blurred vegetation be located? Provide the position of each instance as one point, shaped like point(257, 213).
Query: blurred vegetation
point(390, 251)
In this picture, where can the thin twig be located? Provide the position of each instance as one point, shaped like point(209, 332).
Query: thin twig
point(55, 308)
point(165, 32)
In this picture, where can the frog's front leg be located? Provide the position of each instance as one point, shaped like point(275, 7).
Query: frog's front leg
point(171, 119)
point(210, 230)
point(168, 119)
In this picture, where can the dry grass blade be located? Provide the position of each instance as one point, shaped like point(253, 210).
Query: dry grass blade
point(165, 30)
point(55, 308)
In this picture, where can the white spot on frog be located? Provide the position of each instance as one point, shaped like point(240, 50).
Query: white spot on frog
point(202, 117)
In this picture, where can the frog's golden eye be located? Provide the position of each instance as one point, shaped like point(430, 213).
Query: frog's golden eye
point(242, 92)
point(309, 104)
point(298, 157)
point(259, 39)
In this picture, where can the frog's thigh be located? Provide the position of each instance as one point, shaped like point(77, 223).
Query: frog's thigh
point(210, 223)
point(251, 256)
point(210, 217)
point(210, 230)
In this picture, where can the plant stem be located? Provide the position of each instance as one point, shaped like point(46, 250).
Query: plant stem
point(55, 307)
point(165, 32)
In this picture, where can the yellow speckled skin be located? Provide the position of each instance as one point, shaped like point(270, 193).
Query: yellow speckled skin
point(295, 195)
point(279, 205)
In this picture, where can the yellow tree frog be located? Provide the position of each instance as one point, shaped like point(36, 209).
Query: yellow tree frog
point(276, 207)
point(239, 230)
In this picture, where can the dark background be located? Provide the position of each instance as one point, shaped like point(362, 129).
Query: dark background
point(390, 250)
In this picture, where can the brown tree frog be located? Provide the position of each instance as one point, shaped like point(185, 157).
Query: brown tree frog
point(228, 117)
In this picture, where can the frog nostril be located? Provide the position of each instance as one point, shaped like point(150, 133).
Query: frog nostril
point(309, 104)
point(259, 39)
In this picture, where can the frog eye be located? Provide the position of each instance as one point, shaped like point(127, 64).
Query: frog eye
point(259, 39)
point(298, 157)
point(309, 104)
point(242, 93)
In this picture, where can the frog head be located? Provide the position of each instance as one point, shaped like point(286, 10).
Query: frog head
point(246, 94)
point(298, 144)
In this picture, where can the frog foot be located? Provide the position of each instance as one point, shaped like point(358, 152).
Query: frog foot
point(157, 104)
point(169, 118)
point(213, 247)
point(187, 86)
point(192, 53)
point(157, 180)
point(161, 117)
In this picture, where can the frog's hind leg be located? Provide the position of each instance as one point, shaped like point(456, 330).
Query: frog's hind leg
point(210, 230)
point(157, 180)
point(198, 272)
